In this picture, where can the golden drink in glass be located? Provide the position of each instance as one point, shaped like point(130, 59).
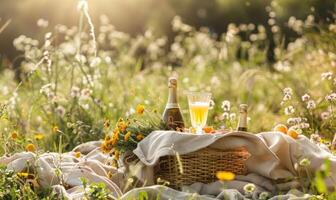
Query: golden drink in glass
point(199, 103)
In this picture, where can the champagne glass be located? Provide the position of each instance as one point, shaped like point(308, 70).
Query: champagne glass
point(199, 103)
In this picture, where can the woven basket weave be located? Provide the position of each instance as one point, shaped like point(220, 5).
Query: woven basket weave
point(200, 166)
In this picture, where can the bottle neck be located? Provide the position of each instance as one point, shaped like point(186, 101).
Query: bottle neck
point(172, 98)
point(242, 125)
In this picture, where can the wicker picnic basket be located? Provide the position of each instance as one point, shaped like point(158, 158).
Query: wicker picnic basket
point(200, 166)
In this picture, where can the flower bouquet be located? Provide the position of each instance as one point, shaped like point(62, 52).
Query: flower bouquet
point(126, 133)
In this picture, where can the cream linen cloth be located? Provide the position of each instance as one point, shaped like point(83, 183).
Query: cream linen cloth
point(92, 165)
point(273, 156)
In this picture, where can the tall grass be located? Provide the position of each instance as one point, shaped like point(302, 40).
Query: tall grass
point(70, 84)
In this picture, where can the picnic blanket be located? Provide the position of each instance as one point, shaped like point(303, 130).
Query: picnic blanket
point(273, 157)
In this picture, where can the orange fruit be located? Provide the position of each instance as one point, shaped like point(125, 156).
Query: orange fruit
point(281, 128)
point(209, 129)
point(293, 133)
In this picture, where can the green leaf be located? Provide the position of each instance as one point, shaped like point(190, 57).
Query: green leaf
point(320, 184)
point(143, 195)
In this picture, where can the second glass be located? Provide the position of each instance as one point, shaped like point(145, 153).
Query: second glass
point(199, 103)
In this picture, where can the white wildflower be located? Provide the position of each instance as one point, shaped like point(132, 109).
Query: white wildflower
point(288, 91)
point(226, 105)
point(42, 23)
point(294, 120)
point(47, 36)
point(47, 90)
point(331, 97)
point(282, 66)
point(147, 102)
point(85, 106)
point(12, 102)
point(251, 26)
point(249, 189)
point(131, 111)
point(60, 110)
point(304, 125)
point(75, 92)
point(85, 93)
point(305, 97)
point(289, 110)
point(226, 115)
point(327, 75)
point(68, 48)
point(211, 104)
point(311, 104)
point(232, 116)
point(325, 115)
point(264, 195)
point(315, 138)
point(215, 81)
point(287, 97)
point(291, 121)
point(95, 62)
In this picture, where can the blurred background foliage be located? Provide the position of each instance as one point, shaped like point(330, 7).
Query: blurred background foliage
point(67, 84)
point(136, 16)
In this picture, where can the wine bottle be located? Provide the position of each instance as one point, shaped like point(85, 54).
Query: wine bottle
point(172, 114)
point(242, 124)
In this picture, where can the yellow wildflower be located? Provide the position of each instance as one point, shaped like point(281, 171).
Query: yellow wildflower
point(30, 147)
point(127, 136)
point(107, 138)
point(139, 136)
point(39, 136)
point(114, 163)
point(77, 154)
point(107, 123)
point(140, 109)
point(116, 154)
point(109, 174)
point(225, 176)
point(115, 138)
point(23, 174)
point(105, 148)
point(108, 142)
point(14, 135)
point(55, 129)
point(122, 126)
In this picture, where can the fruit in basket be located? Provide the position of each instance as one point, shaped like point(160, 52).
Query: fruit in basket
point(281, 128)
point(208, 129)
point(293, 133)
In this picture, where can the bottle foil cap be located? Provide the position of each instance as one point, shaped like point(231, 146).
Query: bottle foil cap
point(243, 107)
point(172, 82)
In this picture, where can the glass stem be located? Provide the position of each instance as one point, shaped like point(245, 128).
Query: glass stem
point(199, 130)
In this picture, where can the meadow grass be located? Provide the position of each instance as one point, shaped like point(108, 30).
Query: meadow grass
point(72, 82)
